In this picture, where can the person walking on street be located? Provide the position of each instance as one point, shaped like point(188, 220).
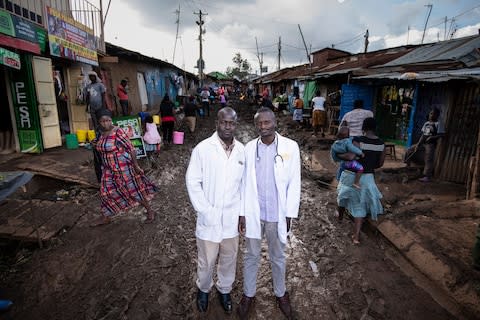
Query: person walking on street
point(205, 95)
point(123, 96)
point(94, 97)
point(190, 110)
point(298, 111)
point(168, 119)
point(123, 183)
point(214, 179)
point(366, 200)
point(431, 132)
point(271, 199)
point(319, 115)
point(354, 119)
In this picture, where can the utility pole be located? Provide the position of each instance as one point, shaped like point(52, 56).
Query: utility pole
point(279, 51)
point(452, 28)
point(305, 45)
point(445, 31)
point(366, 41)
point(200, 63)
point(408, 33)
point(430, 6)
point(259, 57)
point(177, 12)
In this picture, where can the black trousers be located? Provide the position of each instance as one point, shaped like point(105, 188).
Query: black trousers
point(167, 130)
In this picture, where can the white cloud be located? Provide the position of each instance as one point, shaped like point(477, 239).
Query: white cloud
point(149, 27)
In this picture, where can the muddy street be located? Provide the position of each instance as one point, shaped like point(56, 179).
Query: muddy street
point(132, 270)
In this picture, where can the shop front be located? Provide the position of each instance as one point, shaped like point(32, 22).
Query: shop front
point(394, 112)
point(28, 84)
point(73, 50)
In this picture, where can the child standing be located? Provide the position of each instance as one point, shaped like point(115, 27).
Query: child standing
point(151, 138)
point(345, 144)
point(223, 100)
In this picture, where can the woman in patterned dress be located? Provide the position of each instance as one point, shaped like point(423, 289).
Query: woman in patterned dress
point(123, 184)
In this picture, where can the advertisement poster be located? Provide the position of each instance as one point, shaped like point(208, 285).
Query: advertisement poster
point(17, 27)
point(132, 125)
point(10, 59)
point(70, 39)
point(25, 108)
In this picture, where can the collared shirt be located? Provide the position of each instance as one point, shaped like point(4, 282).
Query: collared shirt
point(267, 189)
point(228, 149)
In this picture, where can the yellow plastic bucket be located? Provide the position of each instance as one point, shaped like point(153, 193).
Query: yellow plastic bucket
point(156, 119)
point(91, 135)
point(82, 136)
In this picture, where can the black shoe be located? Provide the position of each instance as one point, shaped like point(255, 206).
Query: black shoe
point(245, 306)
point(226, 302)
point(202, 301)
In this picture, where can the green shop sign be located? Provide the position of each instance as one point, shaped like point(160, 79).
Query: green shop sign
point(25, 107)
point(17, 27)
point(132, 126)
point(10, 59)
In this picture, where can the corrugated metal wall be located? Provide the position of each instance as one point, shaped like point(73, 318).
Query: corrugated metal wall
point(462, 132)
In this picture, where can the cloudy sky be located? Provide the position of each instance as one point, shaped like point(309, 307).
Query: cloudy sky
point(148, 27)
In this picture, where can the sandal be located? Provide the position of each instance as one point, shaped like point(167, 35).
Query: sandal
point(150, 217)
point(355, 241)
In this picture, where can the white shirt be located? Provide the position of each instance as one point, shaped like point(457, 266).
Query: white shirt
point(355, 119)
point(318, 103)
point(214, 182)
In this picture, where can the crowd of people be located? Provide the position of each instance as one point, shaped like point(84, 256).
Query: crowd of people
point(262, 193)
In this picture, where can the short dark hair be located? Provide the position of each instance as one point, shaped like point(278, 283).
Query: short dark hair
point(149, 119)
point(358, 104)
point(369, 124)
point(264, 110)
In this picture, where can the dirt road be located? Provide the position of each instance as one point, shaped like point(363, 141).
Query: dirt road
point(132, 270)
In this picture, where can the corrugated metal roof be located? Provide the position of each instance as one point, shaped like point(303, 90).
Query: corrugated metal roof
point(428, 76)
point(451, 50)
point(114, 50)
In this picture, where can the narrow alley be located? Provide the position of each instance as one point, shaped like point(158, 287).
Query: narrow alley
point(132, 270)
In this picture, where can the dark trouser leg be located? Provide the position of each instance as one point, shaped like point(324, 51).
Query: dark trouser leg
point(124, 104)
point(165, 131)
point(476, 250)
point(429, 160)
point(97, 163)
point(167, 128)
point(93, 114)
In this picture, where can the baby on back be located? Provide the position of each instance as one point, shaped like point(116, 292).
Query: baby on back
point(345, 144)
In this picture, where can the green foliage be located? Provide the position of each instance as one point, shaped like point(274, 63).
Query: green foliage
point(240, 69)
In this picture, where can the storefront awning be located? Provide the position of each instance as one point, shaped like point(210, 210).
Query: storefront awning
point(19, 44)
point(428, 76)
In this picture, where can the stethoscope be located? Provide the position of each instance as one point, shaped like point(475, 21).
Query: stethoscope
point(277, 155)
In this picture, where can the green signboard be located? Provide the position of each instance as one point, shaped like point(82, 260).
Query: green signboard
point(6, 24)
point(18, 27)
point(132, 125)
point(10, 59)
point(25, 107)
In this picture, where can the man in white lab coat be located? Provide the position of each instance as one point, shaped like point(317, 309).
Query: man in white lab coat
point(271, 199)
point(214, 178)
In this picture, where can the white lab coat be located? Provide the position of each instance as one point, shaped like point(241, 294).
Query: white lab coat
point(214, 185)
point(287, 179)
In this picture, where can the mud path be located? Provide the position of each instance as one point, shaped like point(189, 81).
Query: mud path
point(132, 270)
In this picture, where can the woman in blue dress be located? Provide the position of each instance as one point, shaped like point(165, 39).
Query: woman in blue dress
point(360, 202)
